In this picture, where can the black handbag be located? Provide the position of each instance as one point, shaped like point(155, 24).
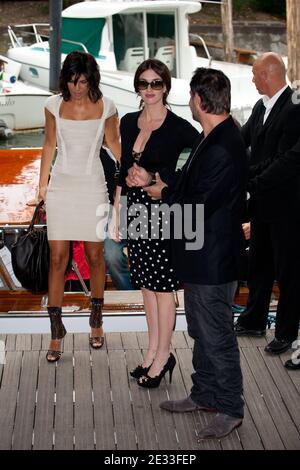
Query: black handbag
point(30, 256)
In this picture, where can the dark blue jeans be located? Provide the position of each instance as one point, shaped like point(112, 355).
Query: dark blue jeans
point(117, 263)
point(217, 381)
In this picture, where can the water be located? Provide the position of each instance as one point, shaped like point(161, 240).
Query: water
point(26, 139)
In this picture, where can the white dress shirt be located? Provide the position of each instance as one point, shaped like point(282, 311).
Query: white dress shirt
point(269, 102)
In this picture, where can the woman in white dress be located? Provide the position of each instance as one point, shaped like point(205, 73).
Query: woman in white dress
point(76, 197)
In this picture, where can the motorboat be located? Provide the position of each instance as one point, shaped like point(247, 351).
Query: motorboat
point(21, 104)
point(120, 35)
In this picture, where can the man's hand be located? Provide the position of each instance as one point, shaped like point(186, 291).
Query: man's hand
point(138, 176)
point(154, 191)
point(247, 230)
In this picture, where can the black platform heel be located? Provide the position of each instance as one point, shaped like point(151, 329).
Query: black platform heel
point(58, 331)
point(139, 371)
point(153, 382)
point(96, 321)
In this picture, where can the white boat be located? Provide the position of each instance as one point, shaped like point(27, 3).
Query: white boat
point(21, 104)
point(121, 34)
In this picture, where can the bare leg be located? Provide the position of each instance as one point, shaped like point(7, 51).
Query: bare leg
point(59, 255)
point(166, 319)
point(151, 310)
point(95, 259)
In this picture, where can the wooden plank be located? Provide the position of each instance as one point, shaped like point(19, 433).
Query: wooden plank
point(10, 344)
point(44, 413)
point(163, 419)
point(83, 410)
point(24, 420)
point(36, 342)
point(122, 406)
point(143, 339)
point(129, 340)
point(189, 340)
point(68, 342)
point(8, 398)
point(63, 425)
point(81, 342)
point(178, 340)
point(267, 385)
point(143, 420)
point(46, 338)
point(113, 341)
point(248, 433)
point(103, 411)
point(285, 385)
point(201, 419)
point(258, 409)
point(2, 355)
point(184, 423)
point(23, 342)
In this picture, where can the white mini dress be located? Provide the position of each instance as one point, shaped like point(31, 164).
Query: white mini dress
point(77, 202)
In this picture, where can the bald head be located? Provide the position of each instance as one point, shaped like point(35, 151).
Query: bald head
point(269, 73)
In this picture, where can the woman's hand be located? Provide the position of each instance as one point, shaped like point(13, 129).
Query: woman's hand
point(114, 224)
point(40, 196)
point(138, 176)
point(42, 193)
point(154, 191)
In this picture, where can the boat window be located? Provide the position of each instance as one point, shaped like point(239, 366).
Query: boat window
point(86, 31)
point(128, 37)
point(161, 38)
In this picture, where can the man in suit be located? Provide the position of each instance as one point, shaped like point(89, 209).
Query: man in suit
point(274, 207)
point(214, 175)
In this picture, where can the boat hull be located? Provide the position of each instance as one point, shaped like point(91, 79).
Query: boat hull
point(22, 111)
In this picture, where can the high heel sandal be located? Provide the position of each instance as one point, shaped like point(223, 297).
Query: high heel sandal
point(153, 382)
point(139, 371)
point(96, 321)
point(58, 331)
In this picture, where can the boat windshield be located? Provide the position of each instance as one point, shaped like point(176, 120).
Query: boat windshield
point(139, 36)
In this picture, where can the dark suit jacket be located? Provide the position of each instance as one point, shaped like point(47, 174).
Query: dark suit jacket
point(273, 198)
point(214, 175)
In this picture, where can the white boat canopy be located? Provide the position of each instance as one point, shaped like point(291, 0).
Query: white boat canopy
point(94, 9)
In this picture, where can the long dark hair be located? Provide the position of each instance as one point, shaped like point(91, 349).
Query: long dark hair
point(80, 63)
point(158, 67)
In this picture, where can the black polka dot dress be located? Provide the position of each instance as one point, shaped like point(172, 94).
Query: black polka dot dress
point(149, 253)
point(149, 249)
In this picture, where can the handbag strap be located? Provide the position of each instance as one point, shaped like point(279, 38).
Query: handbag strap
point(35, 214)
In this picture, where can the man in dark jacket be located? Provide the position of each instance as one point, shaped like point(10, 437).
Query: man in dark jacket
point(215, 176)
point(271, 131)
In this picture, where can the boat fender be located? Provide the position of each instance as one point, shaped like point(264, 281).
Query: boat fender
point(4, 130)
point(9, 77)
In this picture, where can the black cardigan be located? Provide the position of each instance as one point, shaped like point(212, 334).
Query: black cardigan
point(163, 147)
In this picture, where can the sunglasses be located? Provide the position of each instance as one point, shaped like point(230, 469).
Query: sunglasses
point(154, 84)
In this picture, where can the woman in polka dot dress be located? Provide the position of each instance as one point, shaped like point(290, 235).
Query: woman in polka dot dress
point(154, 138)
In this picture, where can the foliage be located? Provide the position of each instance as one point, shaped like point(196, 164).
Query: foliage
point(275, 7)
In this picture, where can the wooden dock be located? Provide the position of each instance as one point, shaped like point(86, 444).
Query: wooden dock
point(88, 401)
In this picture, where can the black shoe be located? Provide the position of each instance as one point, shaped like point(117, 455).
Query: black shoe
point(293, 364)
point(241, 331)
point(153, 382)
point(278, 346)
point(139, 371)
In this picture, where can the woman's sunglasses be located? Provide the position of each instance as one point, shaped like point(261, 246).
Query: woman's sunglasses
point(154, 84)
